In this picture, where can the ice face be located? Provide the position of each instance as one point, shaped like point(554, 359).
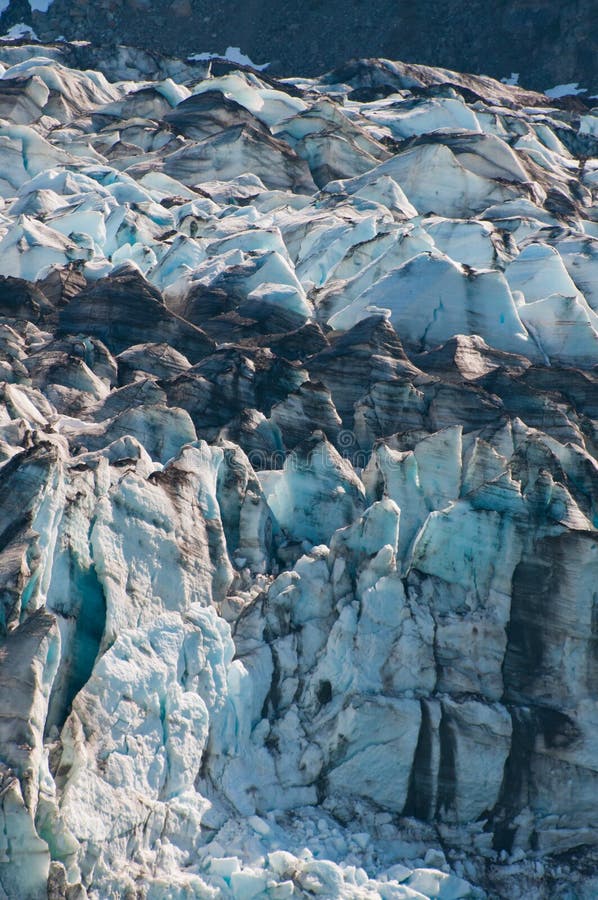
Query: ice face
point(428, 314)
point(298, 482)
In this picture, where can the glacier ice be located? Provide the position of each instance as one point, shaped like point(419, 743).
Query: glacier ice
point(298, 483)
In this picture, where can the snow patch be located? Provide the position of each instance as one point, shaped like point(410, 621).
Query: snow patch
point(565, 90)
point(232, 55)
point(18, 32)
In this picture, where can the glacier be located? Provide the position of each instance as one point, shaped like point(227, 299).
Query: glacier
point(298, 482)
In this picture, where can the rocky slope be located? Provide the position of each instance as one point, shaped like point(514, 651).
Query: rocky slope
point(298, 483)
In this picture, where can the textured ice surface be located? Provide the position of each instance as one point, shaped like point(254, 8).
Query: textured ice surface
point(298, 484)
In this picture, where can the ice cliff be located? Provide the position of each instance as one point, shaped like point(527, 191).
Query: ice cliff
point(298, 483)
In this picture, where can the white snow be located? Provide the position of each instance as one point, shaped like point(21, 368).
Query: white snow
point(571, 89)
point(19, 31)
point(232, 55)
